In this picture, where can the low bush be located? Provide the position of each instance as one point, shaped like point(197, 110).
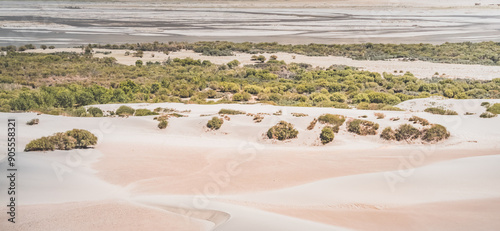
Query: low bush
point(362, 127)
point(282, 131)
point(41, 144)
point(230, 112)
point(163, 124)
point(63, 141)
point(379, 115)
point(487, 115)
point(495, 108)
point(243, 96)
point(440, 111)
point(334, 120)
point(435, 133)
point(407, 133)
point(419, 120)
point(215, 123)
point(312, 124)
point(95, 111)
point(76, 138)
point(388, 134)
point(485, 104)
point(144, 112)
point(299, 114)
point(125, 111)
point(377, 106)
point(83, 137)
point(33, 122)
point(326, 135)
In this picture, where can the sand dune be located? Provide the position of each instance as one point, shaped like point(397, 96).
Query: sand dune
point(188, 178)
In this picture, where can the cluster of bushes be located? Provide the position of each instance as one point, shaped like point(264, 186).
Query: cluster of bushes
point(419, 120)
point(440, 111)
point(125, 111)
point(408, 133)
point(32, 83)
point(76, 138)
point(485, 53)
point(144, 112)
point(230, 112)
point(362, 127)
point(282, 131)
point(332, 121)
point(215, 123)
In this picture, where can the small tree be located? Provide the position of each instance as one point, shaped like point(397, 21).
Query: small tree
point(52, 47)
point(387, 134)
point(282, 131)
point(95, 111)
point(43, 47)
point(273, 57)
point(125, 111)
point(326, 135)
point(261, 58)
point(233, 64)
point(215, 123)
point(138, 63)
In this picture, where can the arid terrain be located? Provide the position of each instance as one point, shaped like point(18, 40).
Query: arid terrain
point(189, 178)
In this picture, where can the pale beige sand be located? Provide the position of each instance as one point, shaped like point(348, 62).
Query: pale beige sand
point(453, 215)
point(234, 179)
point(101, 215)
point(419, 68)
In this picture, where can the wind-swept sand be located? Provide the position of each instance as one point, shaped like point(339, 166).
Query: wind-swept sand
point(188, 178)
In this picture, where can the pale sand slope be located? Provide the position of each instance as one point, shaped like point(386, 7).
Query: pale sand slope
point(137, 167)
point(419, 68)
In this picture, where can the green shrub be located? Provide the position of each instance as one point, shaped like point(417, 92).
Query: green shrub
point(419, 120)
point(362, 127)
point(440, 111)
point(487, 115)
point(243, 96)
point(282, 131)
point(485, 104)
point(41, 144)
point(63, 141)
point(435, 133)
point(215, 123)
point(163, 124)
point(334, 120)
point(387, 134)
point(144, 112)
point(76, 138)
point(326, 135)
point(83, 138)
point(125, 111)
point(95, 111)
point(495, 108)
point(33, 122)
point(230, 112)
point(406, 132)
point(298, 114)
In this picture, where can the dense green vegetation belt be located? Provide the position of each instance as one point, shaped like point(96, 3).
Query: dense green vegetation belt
point(67, 81)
